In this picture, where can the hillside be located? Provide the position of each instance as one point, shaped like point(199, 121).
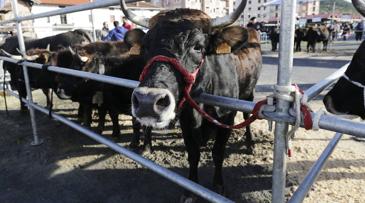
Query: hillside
point(342, 6)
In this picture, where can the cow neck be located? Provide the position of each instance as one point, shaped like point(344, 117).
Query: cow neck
point(357, 84)
point(189, 78)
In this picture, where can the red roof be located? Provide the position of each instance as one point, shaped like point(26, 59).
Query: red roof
point(64, 2)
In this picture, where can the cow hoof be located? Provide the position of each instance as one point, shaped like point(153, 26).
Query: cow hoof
point(99, 131)
point(219, 189)
point(250, 150)
point(188, 199)
point(147, 149)
point(134, 144)
point(115, 134)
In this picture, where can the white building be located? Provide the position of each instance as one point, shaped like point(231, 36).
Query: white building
point(57, 24)
point(269, 10)
point(213, 8)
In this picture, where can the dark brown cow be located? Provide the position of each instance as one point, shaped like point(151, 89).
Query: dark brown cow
point(183, 41)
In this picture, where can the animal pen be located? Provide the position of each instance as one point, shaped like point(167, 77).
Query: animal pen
point(279, 108)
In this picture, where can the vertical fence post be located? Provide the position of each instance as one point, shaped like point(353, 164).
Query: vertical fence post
point(93, 23)
point(36, 140)
point(288, 10)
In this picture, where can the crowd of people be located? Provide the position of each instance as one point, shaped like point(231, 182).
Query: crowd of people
point(117, 33)
point(312, 33)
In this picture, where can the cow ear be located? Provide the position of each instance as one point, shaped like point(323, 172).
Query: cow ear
point(223, 48)
point(135, 50)
point(229, 40)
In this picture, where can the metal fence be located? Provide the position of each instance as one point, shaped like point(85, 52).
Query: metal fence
point(281, 114)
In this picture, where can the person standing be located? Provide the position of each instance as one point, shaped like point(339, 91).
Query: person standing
point(104, 31)
point(299, 35)
point(116, 34)
point(345, 31)
point(126, 24)
point(274, 37)
point(359, 29)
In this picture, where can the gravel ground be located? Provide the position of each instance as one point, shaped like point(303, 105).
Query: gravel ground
point(69, 167)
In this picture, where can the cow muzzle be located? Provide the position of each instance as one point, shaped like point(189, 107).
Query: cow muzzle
point(154, 107)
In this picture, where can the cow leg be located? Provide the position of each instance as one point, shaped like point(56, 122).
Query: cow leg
point(80, 113)
point(23, 94)
point(48, 93)
point(101, 122)
point(248, 141)
point(87, 111)
point(218, 157)
point(193, 149)
point(115, 120)
point(147, 145)
point(136, 134)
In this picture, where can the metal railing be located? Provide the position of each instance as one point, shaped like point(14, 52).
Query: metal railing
point(281, 116)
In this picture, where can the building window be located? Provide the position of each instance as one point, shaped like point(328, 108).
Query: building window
point(63, 19)
point(259, 8)
point(249, 2)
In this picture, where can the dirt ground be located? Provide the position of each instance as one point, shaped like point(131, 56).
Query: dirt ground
point(70, 167)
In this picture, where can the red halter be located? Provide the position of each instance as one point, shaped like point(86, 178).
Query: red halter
point(189, 79)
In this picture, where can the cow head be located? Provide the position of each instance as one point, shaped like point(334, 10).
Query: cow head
point(185, 36)
point(92, 58)
point(346, 97)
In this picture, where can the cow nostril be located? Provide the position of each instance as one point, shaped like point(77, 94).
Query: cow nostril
point(163, 102)
point(135, 102)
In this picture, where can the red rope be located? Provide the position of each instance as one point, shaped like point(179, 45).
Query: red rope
point(189, 79)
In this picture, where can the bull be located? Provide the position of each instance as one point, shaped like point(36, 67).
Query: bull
point(186, 45)
point(10, 46)
point(347, 96)
point(118, 59)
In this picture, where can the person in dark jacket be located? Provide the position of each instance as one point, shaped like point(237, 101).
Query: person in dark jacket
point(274, 37)
point(359, 30)
point(299, 36)
point(116, 34)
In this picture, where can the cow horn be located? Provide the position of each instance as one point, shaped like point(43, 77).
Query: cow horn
point(360, 6)
point(31, 57)
point(144, 22)
point(48, 47)
point(230, 19)
point(16, 57)
point(71, 50)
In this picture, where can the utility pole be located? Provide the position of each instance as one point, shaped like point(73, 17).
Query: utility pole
point(203, 5)
point(333, 12)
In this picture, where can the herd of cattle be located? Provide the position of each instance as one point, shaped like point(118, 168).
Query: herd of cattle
point(184, 52)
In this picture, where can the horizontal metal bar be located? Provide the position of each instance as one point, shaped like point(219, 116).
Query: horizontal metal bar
point(226, 102)
point(70, 9)
point(170, 175)
point(337, 124)
point(82, 74)
point(316, 89)
point(327, 122)
point(315, 170)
